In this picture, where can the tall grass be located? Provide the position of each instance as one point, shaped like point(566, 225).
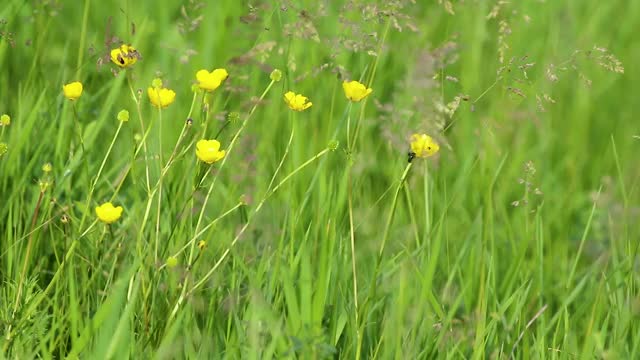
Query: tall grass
point(312, 238)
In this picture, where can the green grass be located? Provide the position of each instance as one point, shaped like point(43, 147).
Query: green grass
point(519, 238)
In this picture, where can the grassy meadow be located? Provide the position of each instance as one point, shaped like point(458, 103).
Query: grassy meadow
point(317, 235)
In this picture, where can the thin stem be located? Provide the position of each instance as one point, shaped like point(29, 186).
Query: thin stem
point(97, 178)
point(385, 237)
point(159, 204)
point(144, 142)
point(27, 255)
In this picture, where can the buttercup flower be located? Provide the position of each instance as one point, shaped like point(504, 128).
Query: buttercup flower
point(210, 81)
point(124, 56)
point(209, 151)
point(107, 213)
point(72, 91)
point(5, 120)
point(297, 102)
point(159, 96)
point(355, 91)
point(422, 145)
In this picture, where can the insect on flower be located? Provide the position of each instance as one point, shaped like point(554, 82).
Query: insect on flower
point(125, 56)
point(422, 146)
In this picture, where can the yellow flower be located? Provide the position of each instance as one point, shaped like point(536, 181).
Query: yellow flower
point(107, 213)
point(297, 102)
point(210, 81)
point(161, 97)
point(209, 151)
point(422, 145)
point(202, 244)
point(5, 120)
point(72, 91)
point(355, 91)
point(124, 56)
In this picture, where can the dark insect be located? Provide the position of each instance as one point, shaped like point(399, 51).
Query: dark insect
point(411, 155)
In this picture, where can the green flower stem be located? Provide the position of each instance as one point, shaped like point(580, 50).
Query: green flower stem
point(385, 237)
point(159, 184)
point(97, 178)
point(76, 122)
point(286, 152)
point(427, 206)
point(394, 205)
point(143, 141)
point(204, 229)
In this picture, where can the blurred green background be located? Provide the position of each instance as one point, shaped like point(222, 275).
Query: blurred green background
point(520, 237)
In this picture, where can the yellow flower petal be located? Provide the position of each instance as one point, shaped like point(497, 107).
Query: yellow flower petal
point(423, 145)
point(108, 214)
point(161, 97)
point(355, 91)
point(210, 81)
point(209, 151)
point(72, 91)
point(297, 102)
point(124, 56)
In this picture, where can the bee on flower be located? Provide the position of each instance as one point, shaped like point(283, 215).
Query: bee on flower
point(297, 102)
point(125, 56)
point(422, 146)
point(355, 91)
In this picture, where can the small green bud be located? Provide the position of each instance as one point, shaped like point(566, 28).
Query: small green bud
point(276, 75)
point(172, 262)
point(123, 116)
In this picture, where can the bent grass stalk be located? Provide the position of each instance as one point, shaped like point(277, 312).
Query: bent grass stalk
point(159, 184)
point(385, 237)
point(141, 146)
point(224, 161)
point(224, 255)
point(137, 100)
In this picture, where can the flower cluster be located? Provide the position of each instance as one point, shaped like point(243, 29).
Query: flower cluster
point(209, 151)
